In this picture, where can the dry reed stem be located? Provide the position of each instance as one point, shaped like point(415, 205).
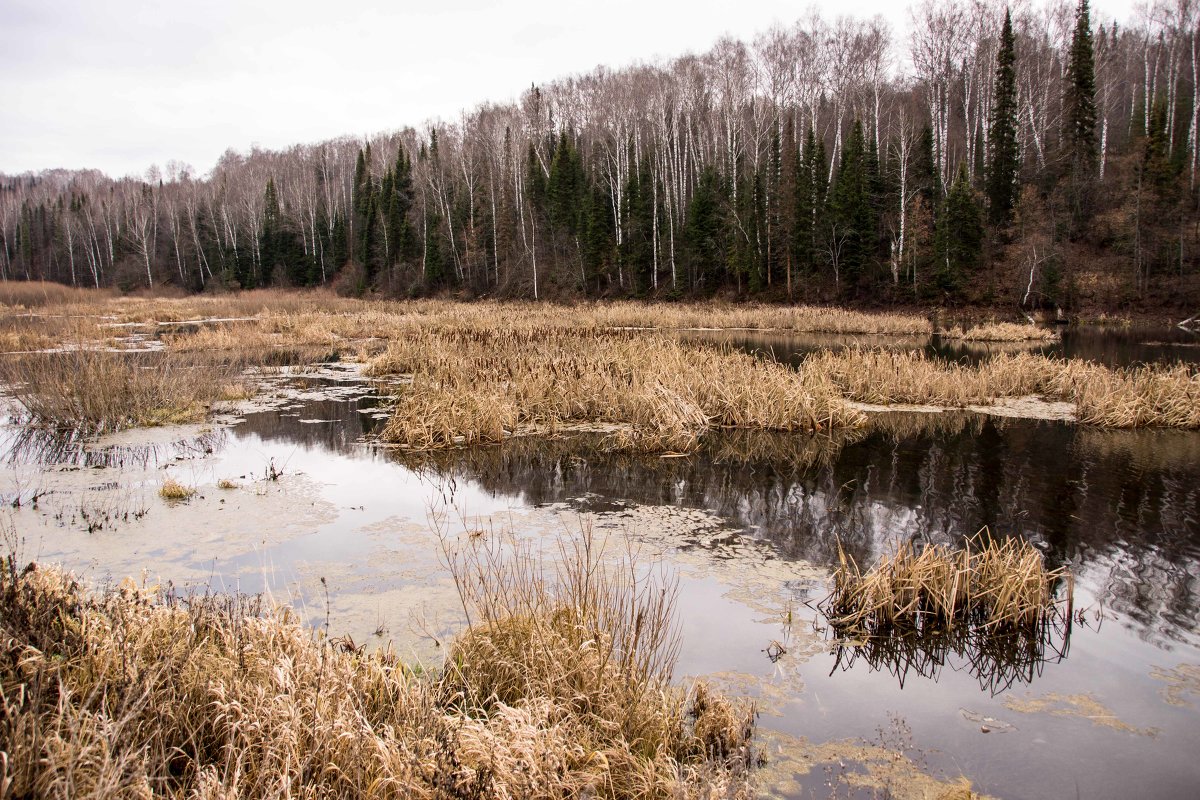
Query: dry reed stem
point(103, 391)
point(482, 385)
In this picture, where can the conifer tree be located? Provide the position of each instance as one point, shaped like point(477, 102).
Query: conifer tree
point(1004, 156)
point(1079, 105)
point(959, 236)
point(852, 222)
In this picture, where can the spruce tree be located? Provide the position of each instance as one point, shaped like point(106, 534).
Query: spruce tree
point(1079, 104)
point(959, 236)
point(1004, 158)
point(852, 221)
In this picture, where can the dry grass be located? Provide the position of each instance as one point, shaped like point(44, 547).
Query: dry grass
point(176, 491)
point(39, 294)
point(998, 586)
point(97, 390)
point(136, 693)
point(481, 386)
point(1002, 332)
point(1158, 396)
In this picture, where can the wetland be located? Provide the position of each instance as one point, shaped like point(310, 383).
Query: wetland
point(297, 484)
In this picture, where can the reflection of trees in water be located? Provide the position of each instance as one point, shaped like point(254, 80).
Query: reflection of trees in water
point(335, 425)
point(1120, 506)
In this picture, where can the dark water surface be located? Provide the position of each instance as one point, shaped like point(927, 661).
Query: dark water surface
point(1116, 714)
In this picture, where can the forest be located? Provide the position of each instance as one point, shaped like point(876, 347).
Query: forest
point(1027, 156)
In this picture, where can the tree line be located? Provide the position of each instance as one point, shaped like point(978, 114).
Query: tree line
point(1020, 154)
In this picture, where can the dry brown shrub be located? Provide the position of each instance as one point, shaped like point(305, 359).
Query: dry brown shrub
point(1002, 332)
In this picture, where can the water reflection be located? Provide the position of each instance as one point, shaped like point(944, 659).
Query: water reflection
point(997, 661)
point(1121, 507)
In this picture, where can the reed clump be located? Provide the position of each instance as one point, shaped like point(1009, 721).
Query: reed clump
point(987, 584)
point(137, 693)
point(1150, 395)
point(98, 390)
point(1001, 332)
point(175, 491)
point(478, 385)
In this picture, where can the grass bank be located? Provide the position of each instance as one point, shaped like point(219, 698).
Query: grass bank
point(1157, 396)
point(559, 688)
point(481, 385)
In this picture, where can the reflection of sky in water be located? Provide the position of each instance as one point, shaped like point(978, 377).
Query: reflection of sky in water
point(1121, 507)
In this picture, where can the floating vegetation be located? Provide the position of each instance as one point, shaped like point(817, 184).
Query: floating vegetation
point(1182, 684)
point(1082, 706)
point(137, 693)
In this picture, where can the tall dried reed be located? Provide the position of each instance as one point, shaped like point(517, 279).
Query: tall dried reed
point(994, 585)
point(1130, 397)
point(482, 385)
point(1002, 332)
point(560, 691)
point(99, 390)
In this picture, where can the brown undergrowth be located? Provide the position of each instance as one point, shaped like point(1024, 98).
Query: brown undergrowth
point(1002, 332)
point(559, 688)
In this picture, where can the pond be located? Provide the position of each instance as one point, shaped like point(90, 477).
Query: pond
point(752, 524)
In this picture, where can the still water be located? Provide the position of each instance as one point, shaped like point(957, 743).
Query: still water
point(1110, 708)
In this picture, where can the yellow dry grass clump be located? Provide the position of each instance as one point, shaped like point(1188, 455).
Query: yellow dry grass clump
point(558, 689)
point(482, 385)
point(1123, 398)
point(174, 490)
point(997, 586)
point(1002, 332)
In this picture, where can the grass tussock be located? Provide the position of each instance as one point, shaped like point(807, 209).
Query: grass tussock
point(136, 693)
point(1002, 332)
point(1158, 396)
point(481, 386)
point(97, 390)
point(174, 490)
point(998, 586)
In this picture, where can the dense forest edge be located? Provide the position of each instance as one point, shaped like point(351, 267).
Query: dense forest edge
point(1022, 158)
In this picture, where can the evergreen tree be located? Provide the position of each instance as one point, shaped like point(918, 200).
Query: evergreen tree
point(637, 245)
point(1004, 157)
point(402, 238)
point(564, 187)
point(1079, 105)
point(852, 221)
point(959, 235)
point(704, 230)
point(810, 189)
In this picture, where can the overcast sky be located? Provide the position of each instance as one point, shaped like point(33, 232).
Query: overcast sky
point(119, 85)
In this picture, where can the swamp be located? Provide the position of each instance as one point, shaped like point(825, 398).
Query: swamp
point(303, 545)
